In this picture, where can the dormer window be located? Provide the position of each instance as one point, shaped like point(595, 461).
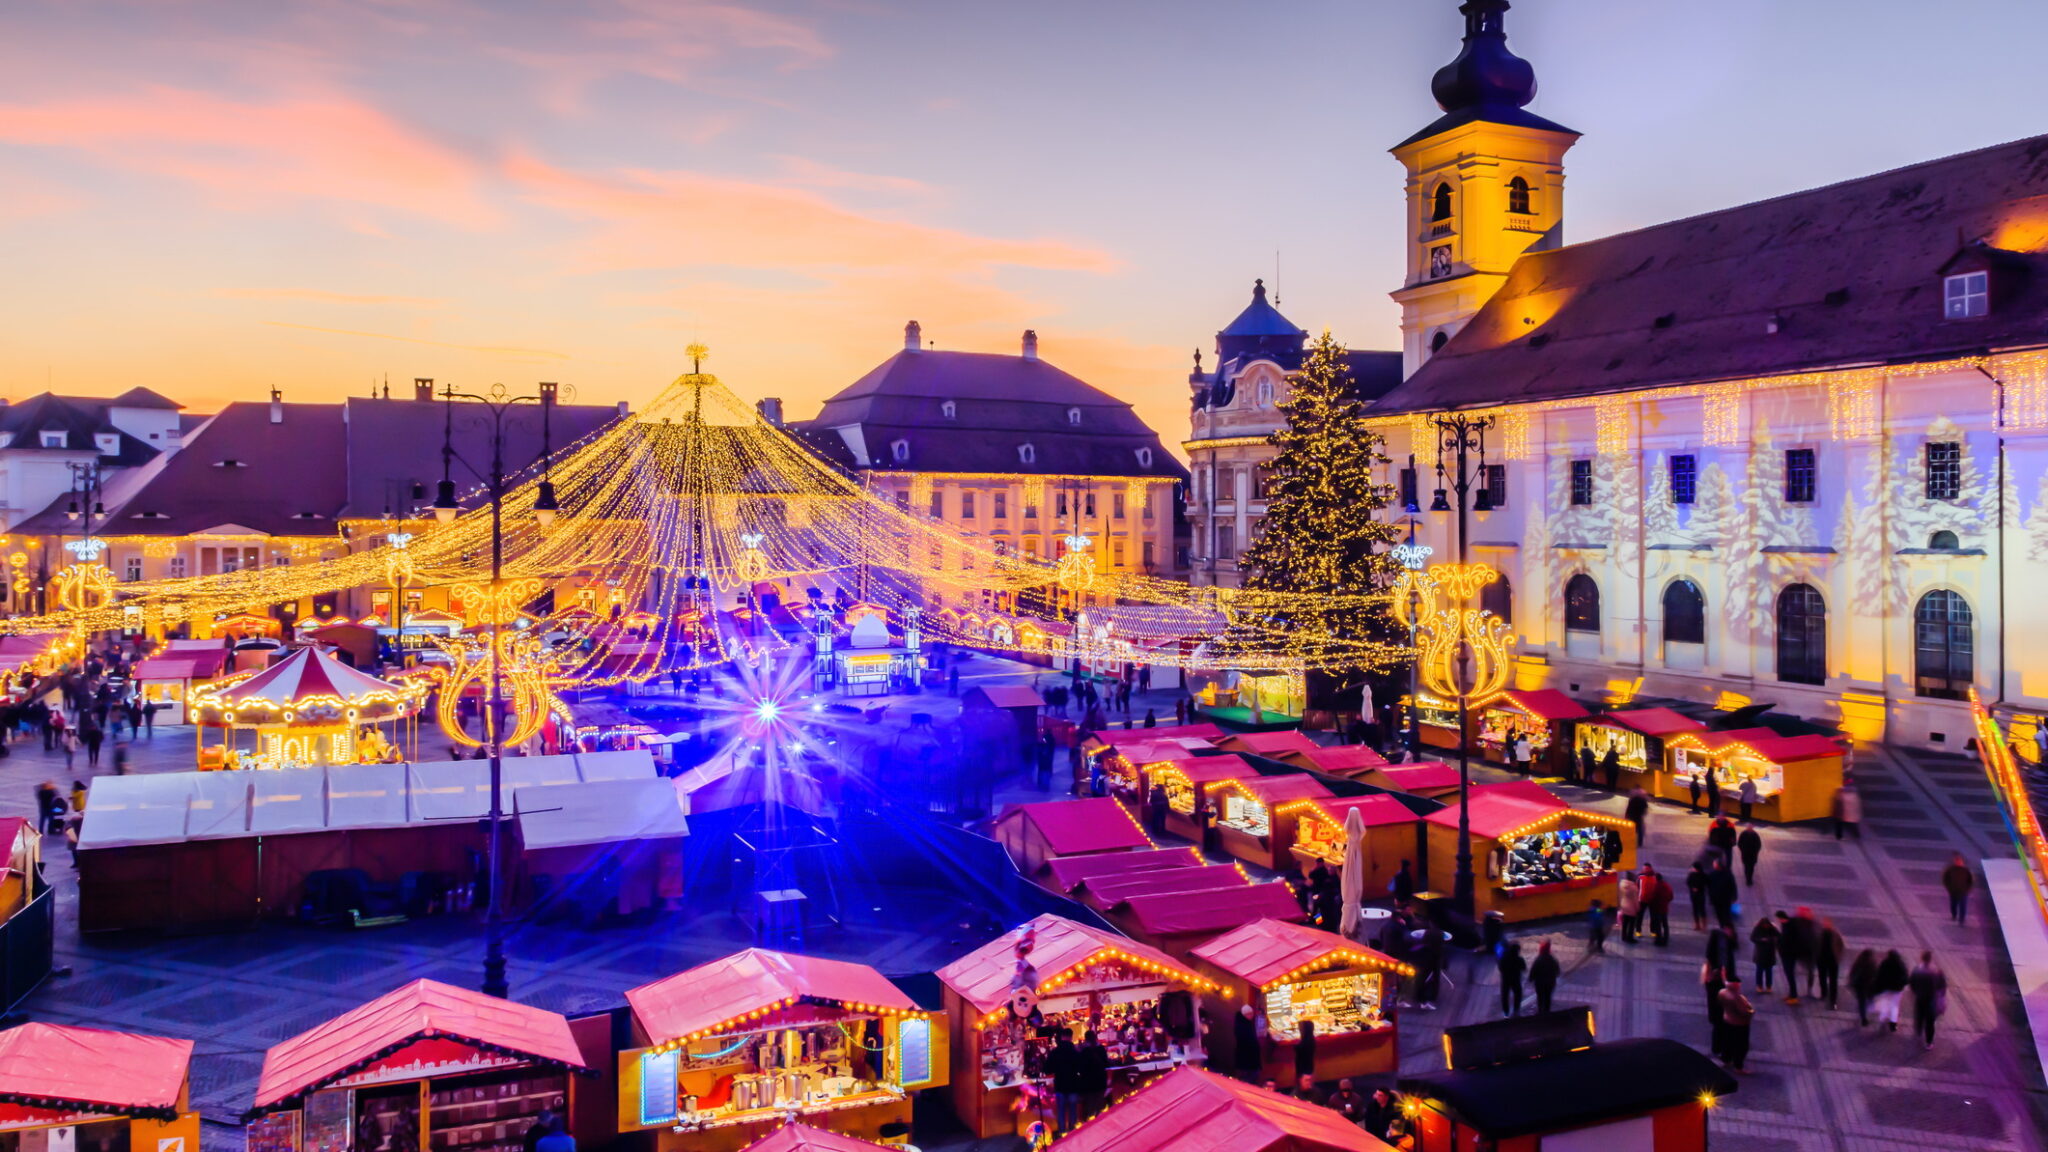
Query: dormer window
point(1966, 295)
point(1027, 454)
point(56, 438)
point(949, 410)
point(1518, 196)
point(1073, 415)
point(109, 443)
point(1440, 204)
point(1144, 457)
point(899, 450)
point(1943, 541)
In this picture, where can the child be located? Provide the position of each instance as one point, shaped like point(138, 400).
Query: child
point(1596, 928)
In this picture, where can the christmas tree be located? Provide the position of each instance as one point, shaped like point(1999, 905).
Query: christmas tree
point(1323, 532)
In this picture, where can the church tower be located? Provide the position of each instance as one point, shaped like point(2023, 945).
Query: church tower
point(1485, 184)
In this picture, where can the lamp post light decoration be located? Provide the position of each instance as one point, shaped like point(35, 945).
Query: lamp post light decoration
point(85, 583)
point(493, 603)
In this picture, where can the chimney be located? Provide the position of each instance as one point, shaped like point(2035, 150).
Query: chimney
point(625, 409)
point(423, 388)
point(913, 337)
point(1030, 344)
point(276, 406)
point(770, 408)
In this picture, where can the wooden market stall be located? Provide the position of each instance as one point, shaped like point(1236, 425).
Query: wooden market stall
point(1436, 719)
point(799, 1137)
point(307, 709)
point(1796, 776)
point(1638, 736)
point(1008, 997)
point(1176, 921)
point(1393, 833)
point(1068, 875)
point(430, 1066)
point(69, 1089)
point(1350, 761)
point(724, 1053)
point(1270, 744)
point(1543, 857)
point(166, 681)
point(1431, 779)
point(1036, 834)
point(1186, 783)
point(1292, 973)
point(1544, 715)
point(1127, 766)
point(1018, 703)
point(1255, 817)
point(1193, 1109)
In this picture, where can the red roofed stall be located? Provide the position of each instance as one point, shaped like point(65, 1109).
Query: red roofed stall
point(1193, 1110)
point(1393, 833)
point(1036, 834)
point(1638, 737)
point(1186, 785)
point(1349, 761)
point(1542, 857)
point(1796, 776)
point(1431, 779)
point(1176, 921)
point(728, 1050)
point(1069, 873)
point(1544, 715)
point(1254, 819)
point(167, 680)
point(1291, 973)
point(113, 1091)
point(1269, 744)
point(795, 1137)
point(1047, 974)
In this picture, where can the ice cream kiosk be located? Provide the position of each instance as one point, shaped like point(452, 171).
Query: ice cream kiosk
point(68, 1089)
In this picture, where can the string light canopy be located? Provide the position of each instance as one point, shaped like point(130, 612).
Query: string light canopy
point(680, 512)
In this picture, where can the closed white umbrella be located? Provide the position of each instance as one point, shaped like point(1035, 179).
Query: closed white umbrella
point(1353, 884)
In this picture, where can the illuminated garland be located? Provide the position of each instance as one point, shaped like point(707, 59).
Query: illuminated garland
point(1431, 601)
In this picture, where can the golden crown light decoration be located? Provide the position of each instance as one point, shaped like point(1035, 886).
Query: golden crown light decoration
point(1433, 602)
point(510, 647)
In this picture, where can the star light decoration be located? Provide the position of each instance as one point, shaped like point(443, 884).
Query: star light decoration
point(1433, 601)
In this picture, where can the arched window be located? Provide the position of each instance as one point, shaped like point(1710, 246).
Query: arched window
point(1518, 196)
point(949, 409)
point(1685, 613)
point(1581, 604)
point(1437, 342)
point(900, 449)
point(1073, 415)
point(1441, 203)
point(1499, 598)
point(1802, 635)
point(1943, 541)
point(1942, 646)
point(1026, 454)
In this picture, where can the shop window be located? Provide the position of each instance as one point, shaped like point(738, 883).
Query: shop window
point(1966, 295)
point(1799, 476)
point(1581, 604)
point(1942, 646)
point(1685, 479)
point(1944, 470)
point(1802, 636)
point(1582, 482)
point(1685, 613)
point(1518, 196)
point(1499, 598)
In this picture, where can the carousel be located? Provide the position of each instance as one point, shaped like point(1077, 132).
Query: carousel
point(307, 710)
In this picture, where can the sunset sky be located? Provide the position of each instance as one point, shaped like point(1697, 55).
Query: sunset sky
point(215, 198)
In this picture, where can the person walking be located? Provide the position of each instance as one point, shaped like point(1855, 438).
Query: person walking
point(1638, 813)
point(1722, 838)
point(1722, 893)
point(1736, 1014)
point(69, 739)
point(1958, 880)
point(94, 736)
point(1763, 941)
point(1596, 928)
point(1657, 896)
point(1828, 947)
point(1610, 768)
point(1696, 887)
point(1798, 936)
point(1892, 980)
point(1863, 984)
point(1429, 969)
point(1631, 900)
point(1512, 967)
point(1750, 844)
point(1930, 997)
point(1849, 812)
point(1746, 796)
point(1543, 976)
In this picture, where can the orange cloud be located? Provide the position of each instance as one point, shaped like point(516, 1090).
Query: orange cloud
point(326, 148)
point(507, 351)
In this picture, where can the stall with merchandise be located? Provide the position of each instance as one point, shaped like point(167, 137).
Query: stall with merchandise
point(426, 1067)
point(1008, 999)
point(1349, 761)
point(307, 710)
point(167, 680)
point(1435, 719)
point(1543, 715)
point(1796, 776)
point(1293, 974)
point(68, 1089)
point(1431, 779)
point(1637, 736)
point(1124, 754)
point(1255, 815)
point(1186, 784)
point(726, 1052)
point(1392, 834)
point(1543, 857)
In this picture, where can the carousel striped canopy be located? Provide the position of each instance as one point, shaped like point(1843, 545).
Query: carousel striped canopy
point(311, 686)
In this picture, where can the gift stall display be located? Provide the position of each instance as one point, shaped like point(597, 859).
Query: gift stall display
point(1186, 784)
point(1543, 857)
point(1254, 816)
point(1637, 737)
point(1543, 717)
point(1392, 834)
point(1796, 777)
point(1292, 975)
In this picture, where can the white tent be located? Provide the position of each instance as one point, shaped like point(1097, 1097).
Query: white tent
point(601, 812)
point(367, 796)
point(451, 790)
point(287, 800)
point(532, 771)
point(219, 805)
point(626, 764)
point(127, 810)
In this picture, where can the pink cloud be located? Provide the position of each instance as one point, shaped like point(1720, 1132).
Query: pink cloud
point(244, 154)
point(812, 174)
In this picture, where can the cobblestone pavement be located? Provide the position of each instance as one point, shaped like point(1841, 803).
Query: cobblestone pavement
point(1821, 1082)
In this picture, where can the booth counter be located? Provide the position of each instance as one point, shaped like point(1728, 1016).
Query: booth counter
point(1544, 715)
point(1796, 776)
point(1543, 857)
point(1392, 831)
point(1637, 736)
point(1290, 974)
point(726, 1052)
point(1255, 817)
point(1186, 784)
point(89, 1090)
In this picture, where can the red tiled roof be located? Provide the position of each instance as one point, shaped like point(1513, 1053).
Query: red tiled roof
point(1074, 827)
point(804, 1138)
point(1431, 774)
point(1270, 790)
point(1122, 736)
point(1210, 769)
point(1376, 810)
point(1104, 892)
point(1070, 872)
point(1786, 749)
point(982, 977)
point(712, 994)
point(419, 1010)
point(1501, 808)
point(1657, 722)
point(1269, 743)
point(1195, 1110)
point(1265, 950)
point(183, 666)
point(91, 1067)
point(1211, 910)
point(1715, 741)
point(1547, 704)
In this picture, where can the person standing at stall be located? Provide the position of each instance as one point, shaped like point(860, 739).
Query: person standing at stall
point(1750, 844)
point(1692, 785)
point(1094, 1075)
point(1543, 976)
point(1585, 766)
point(1713, 796)
point(1063, 1066)
point(1638, 813)
point(1305, 1051)
point(1512, 967)
point(1247, 1055)
point(1610, 767)
point(1746, 796)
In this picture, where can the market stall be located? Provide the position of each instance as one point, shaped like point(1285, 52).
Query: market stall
point(602, 848)
point(1176, 921)
point(1007, 998)
point(1796, 776)
point(1193, 1109)
point(1291, 974)
point(307, 709)
point(427, 1066)
point(728, 1051)
point(1271, 745)
point(1186, 784)
point(167, 681)
point(68, 1089)
point(1432, 780)
point(1349, 761)
point(1255, 815)
point(1543, 857)
point(1069, 874)
point(1637, 736)
point(1036, 834)
point(1125, 766)
point(1251, 698)
point(1544, 715)
point(872, 663)
point(1392, 834)
point(1435, 719)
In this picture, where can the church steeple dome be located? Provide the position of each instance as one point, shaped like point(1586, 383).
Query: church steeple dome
point(1485, 74)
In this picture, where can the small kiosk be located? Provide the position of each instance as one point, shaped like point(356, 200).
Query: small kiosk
point(1392, 831)
point(1036, 834)
point(1543, 857)
point(1544, 715)
point(1271, 745)
point(726, 1052)
point(1436, 719)
point(1431, 780)
point(872, 663)
point(68, 1089)
point(166, 681)
point(1638, 737)
point(1008, 997)
point(1350, 761)
point(1195, 1109)
point(1186, 784)
point(1255, 816)
point(1796, 776)
point(425, 1067)
point(1290, 974)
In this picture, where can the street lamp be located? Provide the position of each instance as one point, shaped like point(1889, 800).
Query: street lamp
point(1460, 435)
point(494, 408)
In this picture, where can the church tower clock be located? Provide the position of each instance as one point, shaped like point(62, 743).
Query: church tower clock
point(1485, 184)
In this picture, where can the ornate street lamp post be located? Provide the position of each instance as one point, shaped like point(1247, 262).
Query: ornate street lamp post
point(1459, 436)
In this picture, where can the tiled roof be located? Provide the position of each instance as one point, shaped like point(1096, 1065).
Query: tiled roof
point(1848, 273)
point(983, 976)
point(81, 418)
point(754, 980)
point(1266, 950)
point(140, 397)
point(396, 444)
